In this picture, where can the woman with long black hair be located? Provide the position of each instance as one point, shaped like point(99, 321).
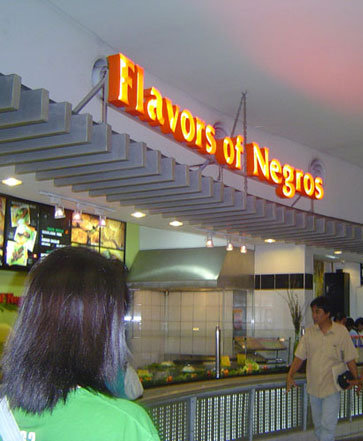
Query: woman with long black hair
point(68, 343)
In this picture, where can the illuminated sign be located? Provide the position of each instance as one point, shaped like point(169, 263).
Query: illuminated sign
point(126, 89)
point(9, 299)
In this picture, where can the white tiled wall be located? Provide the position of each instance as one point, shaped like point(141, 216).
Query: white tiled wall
point(183, 323)
point(166, 325)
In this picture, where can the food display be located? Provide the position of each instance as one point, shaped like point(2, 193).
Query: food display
point(169, 372)
point(108, 240)
point(113, 235)
point(86, 230)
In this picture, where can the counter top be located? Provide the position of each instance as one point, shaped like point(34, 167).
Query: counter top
point(176, 390)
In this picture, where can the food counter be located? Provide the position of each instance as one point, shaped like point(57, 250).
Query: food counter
point(176, 390)
point(203, 369)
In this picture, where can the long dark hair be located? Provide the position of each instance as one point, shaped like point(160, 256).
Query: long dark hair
point(69, 332)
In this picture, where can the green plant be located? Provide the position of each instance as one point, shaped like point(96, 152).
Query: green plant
point(295, 308)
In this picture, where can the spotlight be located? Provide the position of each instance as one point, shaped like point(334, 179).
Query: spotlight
point(243, 249)
point(229, 246)
point(59, 211)
point(77, 214)
point(209, 242)
point(102, 221)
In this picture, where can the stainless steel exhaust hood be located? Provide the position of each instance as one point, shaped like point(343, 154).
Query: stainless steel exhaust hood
point(192, 268)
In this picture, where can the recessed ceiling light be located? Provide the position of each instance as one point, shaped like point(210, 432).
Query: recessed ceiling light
point(138, 214)
point(270, 240)
point(338, 252)
point(11, 182)
point(176, 223)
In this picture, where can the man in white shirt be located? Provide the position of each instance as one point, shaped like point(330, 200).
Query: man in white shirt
point(324, 345)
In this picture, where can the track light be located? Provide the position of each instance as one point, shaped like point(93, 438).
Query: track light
point(102, 221)
point(229, 246)
point(59, 211)
point(58, 200)
point(243, 249)
point(209, 242)
point(77, 214)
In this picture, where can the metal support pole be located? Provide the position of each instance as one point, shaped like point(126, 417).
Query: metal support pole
point(251, 413)
point(218, 351)
point(192, 414)
point(305, 408)
point(350, 404)
point(92, 93)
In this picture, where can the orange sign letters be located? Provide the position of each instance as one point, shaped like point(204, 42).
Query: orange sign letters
point(126, 89)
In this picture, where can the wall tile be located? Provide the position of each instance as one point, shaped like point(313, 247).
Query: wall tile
point(187, 299)
point(212, 314)
point(172, 345)
point(174, 299)
point(156, 313)
point(186, 345)
point(186, 313)
point(214, 298)
point(199, 346)
point(173, 313)
point(186, 329)
point(157, 298)
point(146, 312)
point(199, 312)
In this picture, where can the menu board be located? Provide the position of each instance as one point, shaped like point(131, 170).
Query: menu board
point(21, 233)
point(53, 233)
point(29, 231)
point(2, 226)
point(108, 240)
point(86, 231)
point(112, 243)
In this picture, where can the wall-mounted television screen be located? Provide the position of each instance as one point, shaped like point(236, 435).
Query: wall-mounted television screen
point(2, 226)
point(29, 231)
point(21, 233)
point(53, 233)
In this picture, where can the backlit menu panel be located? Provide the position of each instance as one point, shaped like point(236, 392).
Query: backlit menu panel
point(54, 233)
point(2, 226)
point(21, 233)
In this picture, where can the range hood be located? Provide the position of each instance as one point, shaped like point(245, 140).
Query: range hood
point(192, 268)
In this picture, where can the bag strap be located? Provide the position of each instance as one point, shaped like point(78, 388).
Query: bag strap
point(9, 429)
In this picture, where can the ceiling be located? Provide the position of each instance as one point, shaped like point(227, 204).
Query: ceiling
point(301, 65)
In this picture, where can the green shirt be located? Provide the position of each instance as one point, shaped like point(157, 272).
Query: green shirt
point(88, 416)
